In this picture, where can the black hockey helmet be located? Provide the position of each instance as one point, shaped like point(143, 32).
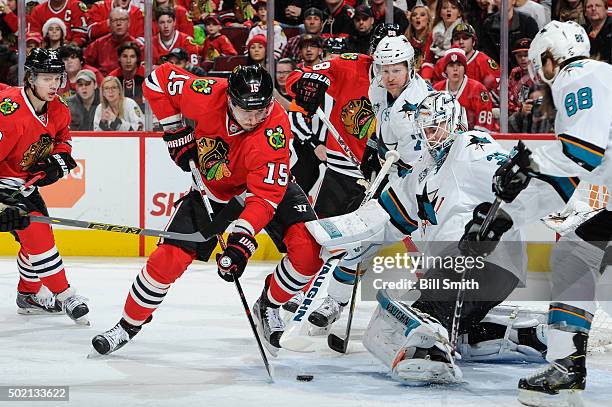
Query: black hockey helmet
point(381, 31)
point(250, 87)
point(43, 60)
point(336, 45)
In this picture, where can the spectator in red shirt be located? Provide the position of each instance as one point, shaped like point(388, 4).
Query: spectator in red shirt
point(169, 37)
point(72, 55)
point(130, 73)
point(71, 12)
point(256, 49)
point(472, 95)
point(102, 53)
point(9, 23)
point(33, 40)
point(216, 44)
point(183, 20)
point(519, 81)
point(98, 18)
point(54, 33)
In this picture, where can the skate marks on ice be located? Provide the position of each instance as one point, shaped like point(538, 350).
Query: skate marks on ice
point(199, 350)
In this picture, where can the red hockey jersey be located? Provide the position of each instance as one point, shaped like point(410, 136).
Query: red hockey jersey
point(231, 160)
point(476, 100)
point(348, 107)
point(73, 14)
point(180, 40)
point(26, 137)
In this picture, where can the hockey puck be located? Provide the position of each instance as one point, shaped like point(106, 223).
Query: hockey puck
point(304, 377)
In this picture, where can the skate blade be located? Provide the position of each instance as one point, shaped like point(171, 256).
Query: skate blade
point(83, 321)
point(297, 341)
point(565, 398)
point(35, 311)
point(93, 354)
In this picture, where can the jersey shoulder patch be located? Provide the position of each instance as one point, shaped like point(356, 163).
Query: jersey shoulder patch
point(276, 137)
point(203, 86)
point(8, 106)
point(349, 56)
point(83, 7)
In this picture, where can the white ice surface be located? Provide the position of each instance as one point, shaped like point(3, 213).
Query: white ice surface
point(199, 351)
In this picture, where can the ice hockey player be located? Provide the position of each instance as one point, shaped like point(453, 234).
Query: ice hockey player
point(395, 92)
point(241, 144)
point(438, 200)
point(582, 94)
point(340, 87)
point(34, 141)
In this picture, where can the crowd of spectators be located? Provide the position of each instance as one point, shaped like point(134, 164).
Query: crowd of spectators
point(456, 42)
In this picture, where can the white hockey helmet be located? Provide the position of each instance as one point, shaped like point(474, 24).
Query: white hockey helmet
point(561, 41)
point(439, 117)
point(394, 50)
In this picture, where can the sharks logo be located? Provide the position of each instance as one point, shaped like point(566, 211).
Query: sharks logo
point(427, 203)
point(478, 142)
point(409, 108)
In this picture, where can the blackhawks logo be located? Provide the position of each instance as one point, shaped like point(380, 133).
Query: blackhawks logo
point(203, 86)
point(349, 56)
point(276, 138)
point(8, 106)
point(358, 118)
point(213, 154)
point(37, 151)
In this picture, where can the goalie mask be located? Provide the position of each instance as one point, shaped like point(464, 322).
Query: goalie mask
point(560, 42)
point(439, 119)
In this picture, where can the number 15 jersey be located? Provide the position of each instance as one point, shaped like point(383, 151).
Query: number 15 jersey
point(232, 160)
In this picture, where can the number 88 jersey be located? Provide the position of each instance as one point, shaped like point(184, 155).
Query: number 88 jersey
point(232, 160)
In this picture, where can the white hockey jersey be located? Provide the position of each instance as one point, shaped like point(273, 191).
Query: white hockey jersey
point(582, 94)
point(434, 203)
point(395, 127)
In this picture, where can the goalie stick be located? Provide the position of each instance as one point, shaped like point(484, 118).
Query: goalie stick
point(293, 338)
point(200, 185)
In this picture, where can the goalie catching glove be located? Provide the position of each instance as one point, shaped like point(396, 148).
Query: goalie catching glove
point(182, 147)
point(53, 168)
point(13, 214)
point(514, 175)
point(471, 243)
point(310, 91)
point(232, 262)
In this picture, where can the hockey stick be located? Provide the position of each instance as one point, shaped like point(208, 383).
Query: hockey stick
point(28, 184)
point(130, 230)
point(292, 339)
point(200, 185)
point(482, 232)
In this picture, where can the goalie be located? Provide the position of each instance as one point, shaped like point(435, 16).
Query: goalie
point(439, 201)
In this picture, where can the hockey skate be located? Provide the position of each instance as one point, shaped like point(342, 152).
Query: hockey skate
point(328, 313)
point(269, 324)
point(36, 304)
point(74, 306)
point(559, 385)
point(115, 338)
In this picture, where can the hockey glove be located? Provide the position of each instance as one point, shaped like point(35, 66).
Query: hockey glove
point(310, 91)
point(514, 175)
point(471, 244)
point(13, 214)
point(54, 167)
point(182, 147)
point(370, 164)
point(232, 262)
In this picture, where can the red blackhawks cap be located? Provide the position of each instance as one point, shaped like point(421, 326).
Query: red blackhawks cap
point(454, 55)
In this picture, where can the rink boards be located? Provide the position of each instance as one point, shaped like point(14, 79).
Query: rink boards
point(129, 179)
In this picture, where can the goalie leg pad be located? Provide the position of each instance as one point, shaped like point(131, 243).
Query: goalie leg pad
point(506, 334)
point(411, 343)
